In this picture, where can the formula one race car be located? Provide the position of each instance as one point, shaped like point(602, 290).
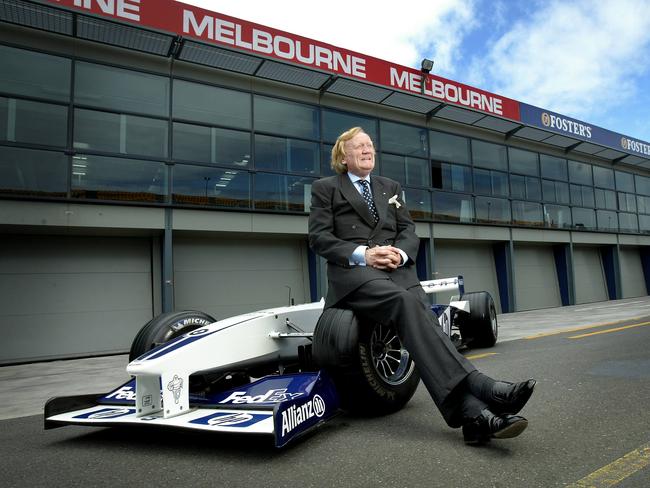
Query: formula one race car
point(280, 371)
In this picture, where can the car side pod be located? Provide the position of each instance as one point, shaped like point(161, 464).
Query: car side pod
point(285, 406)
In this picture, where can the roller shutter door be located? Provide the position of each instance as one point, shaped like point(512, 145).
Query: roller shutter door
point(475, 262)
point(632, 279)
point(589, 275)
point(226, 276)
point(64, 296)
point(536, 284)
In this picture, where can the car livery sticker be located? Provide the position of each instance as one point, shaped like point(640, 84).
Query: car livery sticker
point(106, 413)
point(229, 419)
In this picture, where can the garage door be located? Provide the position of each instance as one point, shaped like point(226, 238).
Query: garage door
point(589, 275)
point(68, 296)
point(536, 284)
point(475, 262)
point(229, 276)
point(632, 279)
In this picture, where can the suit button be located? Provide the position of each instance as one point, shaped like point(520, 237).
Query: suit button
point(354, 226)
point(371, 243)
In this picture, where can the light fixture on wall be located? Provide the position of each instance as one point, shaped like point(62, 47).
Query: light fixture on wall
point(426, 66)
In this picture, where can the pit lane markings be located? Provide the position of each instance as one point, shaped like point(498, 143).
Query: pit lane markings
point(582, 327)
point(481, 356)
point(589, 334)
point(616, 471)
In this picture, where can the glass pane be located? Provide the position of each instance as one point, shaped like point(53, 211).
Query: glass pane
point(524, 162)
point(393, 167)
point(482, 181)
point(552, 167)
point(282, 192)
point(403, 139)
point(527, 213)
point(34, 74)
point(580, 173)
point(121, 90)
point(576, 195)
point(453, 207)
point(642, 184)
point(212, 145)
point(492, 210)
point(628, 222)
point(336, 123)
point(447, 147)
point(584, 218)
point(326, 160)
point(204, 185)
point(557, 216)
point(643, 204)
point(106, 178)
point(644, 224)
point(33, 122)
point(451, 177)
point(603, 177)
point(489, 155)
point(587, 196)
point(417, 171)
point(562, 192)
point(282, 154)
point(607, 220)
point(119, 133)
point(499, 184)
point(533, 189)
point(212, 105)
point(286, 118)
point(32, 172)
point(419, 203)
point(548, 191)
point(518, 186)
point(624, 181)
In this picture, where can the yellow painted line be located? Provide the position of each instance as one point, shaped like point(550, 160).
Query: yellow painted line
point(609, 330)
point(481, 356)
point(616, 471)
point(582, 327)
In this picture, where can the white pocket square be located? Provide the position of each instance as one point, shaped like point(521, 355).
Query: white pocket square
point(393, 201)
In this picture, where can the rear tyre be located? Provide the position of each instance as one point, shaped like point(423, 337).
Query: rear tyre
point(166, 327)
point(479, 327)
point(372, 371)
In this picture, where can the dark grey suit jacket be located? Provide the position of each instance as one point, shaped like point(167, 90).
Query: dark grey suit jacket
point(340, 220)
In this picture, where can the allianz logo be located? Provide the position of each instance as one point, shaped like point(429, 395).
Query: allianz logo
point(296, 415)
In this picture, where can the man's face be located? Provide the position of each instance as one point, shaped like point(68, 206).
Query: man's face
point(360, 155)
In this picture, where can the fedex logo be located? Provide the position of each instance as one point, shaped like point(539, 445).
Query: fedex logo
point(124, 393)
point(271, 396)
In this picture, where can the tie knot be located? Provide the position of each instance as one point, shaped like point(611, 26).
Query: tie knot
point(363, 183)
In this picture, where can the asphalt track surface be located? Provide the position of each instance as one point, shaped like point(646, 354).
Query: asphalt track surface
point(589, 426)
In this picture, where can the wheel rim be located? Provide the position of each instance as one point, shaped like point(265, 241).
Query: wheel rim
point(389, 358)
point(493, 321)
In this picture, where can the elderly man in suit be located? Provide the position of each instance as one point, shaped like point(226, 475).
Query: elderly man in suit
point(360, 225)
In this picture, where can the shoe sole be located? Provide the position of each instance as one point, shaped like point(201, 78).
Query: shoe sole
point(513, 430)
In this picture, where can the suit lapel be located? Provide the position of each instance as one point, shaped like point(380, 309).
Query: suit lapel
point(354, 198)
point(380, 197)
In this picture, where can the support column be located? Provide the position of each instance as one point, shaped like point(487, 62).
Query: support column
point(167, 264)
point(563, 254)
point(612, 266)
point(503, 263)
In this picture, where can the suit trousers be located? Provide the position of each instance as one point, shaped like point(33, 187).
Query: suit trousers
point(442, 368)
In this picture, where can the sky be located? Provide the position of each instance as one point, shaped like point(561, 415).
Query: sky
point(586, 59)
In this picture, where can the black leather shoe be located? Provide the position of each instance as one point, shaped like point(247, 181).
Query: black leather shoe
point(510, 397)
point(488, 426)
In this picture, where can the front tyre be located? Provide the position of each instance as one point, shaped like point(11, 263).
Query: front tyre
point(479, 327)
point(373, 373)
point(165, 327)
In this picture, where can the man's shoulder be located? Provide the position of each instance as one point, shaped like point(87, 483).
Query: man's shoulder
point(383, 180)
point(327, 181)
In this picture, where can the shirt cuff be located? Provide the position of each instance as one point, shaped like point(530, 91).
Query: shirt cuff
point(358, 257)
point(404, 257)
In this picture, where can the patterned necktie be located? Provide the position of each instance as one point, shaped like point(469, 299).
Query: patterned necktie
point(368, 198)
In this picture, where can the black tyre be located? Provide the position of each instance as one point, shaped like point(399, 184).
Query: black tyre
point(166, 327)
point(479, 327)
point(372, 371)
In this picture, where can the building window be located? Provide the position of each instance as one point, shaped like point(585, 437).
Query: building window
point(605, 199)
point(527, 213)
point(604, 177)
point(644, 224)
point(25, 121)
point(120, 133)
point(403, 139)
point(290, 155)
point(492, 183)
point(582, 196)
point(553, 168)
point(525, 187)
point(206, 185)
point(405, 169)
point(580, 173)
point(211, 105)
point(453, 207)
point(642, 185)
point(286, 118)
point(282, 192)
point(557, 216)
point(201, 144)
point(105, 178)
point(335, 123)
point(523, 162)
point(418, 202)
point(607, 220)
point(643, 204)
point(492, 211)
point(121, 90)
point(32, 172)
point(555, 191)
point(626, 202)
point(624, 181)
point(447, 147)
point(584, 218)
point(488, 155)
point(31, 74)
point(451, 177)
point(628, 222)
